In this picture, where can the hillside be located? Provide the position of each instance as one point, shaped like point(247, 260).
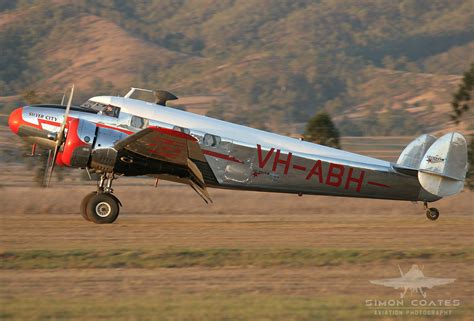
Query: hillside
point(106, 53)
point(378, 67)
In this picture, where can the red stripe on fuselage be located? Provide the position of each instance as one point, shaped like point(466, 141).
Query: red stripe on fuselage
point(172, 132)
point(48, 122)
point(125, 131)
point(52, 123)
point(222, 156)
point(378, 184)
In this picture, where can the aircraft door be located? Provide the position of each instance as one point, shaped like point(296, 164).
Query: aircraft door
point(239, 168)
point(217, 151)
point(124, 120)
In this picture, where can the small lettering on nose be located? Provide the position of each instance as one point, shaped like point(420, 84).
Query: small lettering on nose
point(43, 116)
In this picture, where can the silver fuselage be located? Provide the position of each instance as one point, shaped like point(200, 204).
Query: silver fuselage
point(249, 159)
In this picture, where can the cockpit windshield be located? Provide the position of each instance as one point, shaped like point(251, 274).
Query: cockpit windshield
point(103, 109)
point(93, 105)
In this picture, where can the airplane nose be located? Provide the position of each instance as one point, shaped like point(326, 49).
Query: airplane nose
point(15, 119)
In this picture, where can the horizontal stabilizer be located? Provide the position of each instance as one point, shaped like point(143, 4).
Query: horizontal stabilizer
point(443, 168)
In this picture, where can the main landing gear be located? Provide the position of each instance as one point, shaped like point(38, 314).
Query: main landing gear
point(101, 207)
point(432, 213)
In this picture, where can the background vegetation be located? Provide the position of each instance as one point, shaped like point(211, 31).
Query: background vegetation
point(268, 62)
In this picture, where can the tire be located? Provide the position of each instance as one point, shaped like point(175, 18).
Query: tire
point(432, 214)
point(83, 207)
point(102, 208)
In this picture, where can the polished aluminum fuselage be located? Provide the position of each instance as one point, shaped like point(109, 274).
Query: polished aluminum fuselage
point(251, 159)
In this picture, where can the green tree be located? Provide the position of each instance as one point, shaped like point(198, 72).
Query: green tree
point(321, 130)
point(462, 99)
point(462, 102)
point(470, 158)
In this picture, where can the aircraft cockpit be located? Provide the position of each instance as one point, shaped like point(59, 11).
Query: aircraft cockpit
point(102, 109)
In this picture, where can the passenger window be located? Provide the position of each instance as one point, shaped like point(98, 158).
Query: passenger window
point(138, 122)
point(182, 129)
point(211, 140)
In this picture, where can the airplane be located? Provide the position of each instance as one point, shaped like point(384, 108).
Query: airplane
point(414, 280)
point(116, 136)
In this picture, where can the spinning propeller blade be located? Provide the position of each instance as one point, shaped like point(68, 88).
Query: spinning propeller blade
point(59, 141)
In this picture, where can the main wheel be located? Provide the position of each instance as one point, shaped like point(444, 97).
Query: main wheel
point(102, 208)
point(432, 213)
point(84, 202)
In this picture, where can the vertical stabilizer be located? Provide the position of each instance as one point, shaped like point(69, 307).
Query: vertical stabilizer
point(400, 269)
point(443, 167)
point(412, 155)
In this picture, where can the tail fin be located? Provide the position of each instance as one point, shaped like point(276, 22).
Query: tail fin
point(440, 164)
point(400, 269)
point(443, 168)
point(412, 155)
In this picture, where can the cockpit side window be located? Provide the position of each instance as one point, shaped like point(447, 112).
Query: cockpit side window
point(111, 111)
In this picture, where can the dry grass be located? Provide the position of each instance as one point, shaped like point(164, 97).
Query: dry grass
point(250, 256)
point(166, 216)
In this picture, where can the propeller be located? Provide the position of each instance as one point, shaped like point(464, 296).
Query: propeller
point(64, 97)
point(53, 154)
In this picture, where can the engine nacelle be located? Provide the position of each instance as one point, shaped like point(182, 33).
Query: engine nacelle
point(88, 145)
point(103, 154)
point(78, 145)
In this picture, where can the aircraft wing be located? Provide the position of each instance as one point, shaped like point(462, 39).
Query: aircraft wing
point(396, 283)
point(432, 282)
point(173, 147)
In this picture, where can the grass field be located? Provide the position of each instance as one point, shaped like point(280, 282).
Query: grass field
point(250, 256)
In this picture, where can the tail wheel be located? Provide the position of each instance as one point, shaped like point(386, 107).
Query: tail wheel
point(432, 213)
point(84, 202)
point(102, 208)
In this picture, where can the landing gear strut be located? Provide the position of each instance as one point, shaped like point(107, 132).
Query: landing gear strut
point(101, 207)
point(432, 213)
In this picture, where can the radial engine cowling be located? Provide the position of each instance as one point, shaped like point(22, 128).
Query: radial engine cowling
point(104, 155)
point(78, 145)
point(88, 145)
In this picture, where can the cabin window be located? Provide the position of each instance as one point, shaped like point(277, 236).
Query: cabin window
point(138, 122)
point(211, 140)
point(182, 129)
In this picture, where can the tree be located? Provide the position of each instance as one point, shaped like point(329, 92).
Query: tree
point(470, 158)
point(462, 99)
point(321, 130)
point(462, 102)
